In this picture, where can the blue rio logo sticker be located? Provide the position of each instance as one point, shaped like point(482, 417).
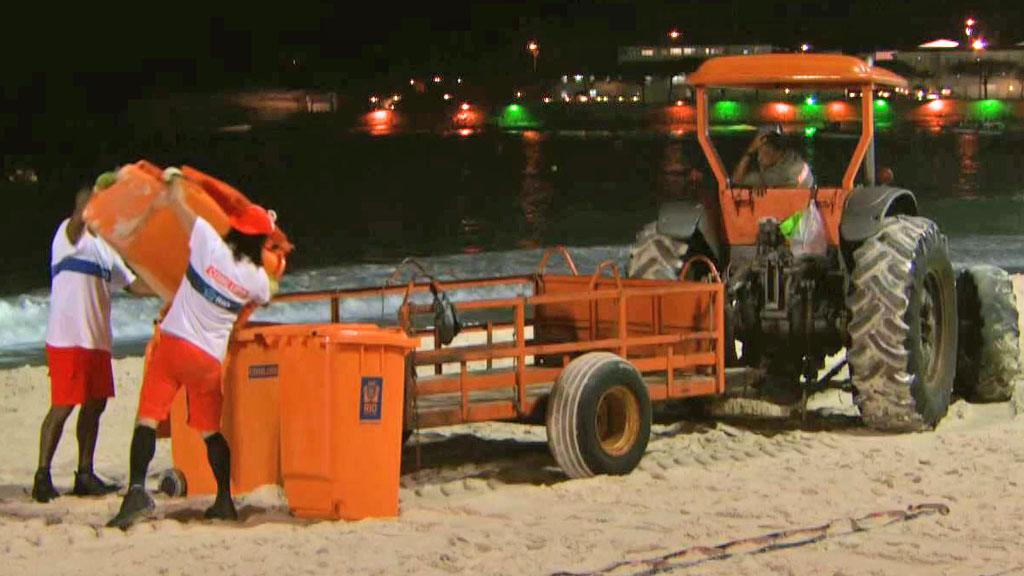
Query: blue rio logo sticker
point(371, 398)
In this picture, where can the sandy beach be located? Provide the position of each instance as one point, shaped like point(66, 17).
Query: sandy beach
point(488, 499)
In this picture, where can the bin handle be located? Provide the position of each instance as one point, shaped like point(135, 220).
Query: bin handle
point(560, 250)
point(600, 268)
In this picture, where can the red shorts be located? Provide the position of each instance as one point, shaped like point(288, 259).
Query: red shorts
point(78, 375)
point(176, 362)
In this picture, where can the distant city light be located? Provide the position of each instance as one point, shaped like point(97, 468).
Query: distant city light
point(679, 102)
point(786, 91)
point(805, 47)
point(674, 34)
point(532, 46)
point(578, 77)
point(465, 106)
point(941, 43)
point(546, 100)
point(936, 105)
point(519, 94)
point(978, 44)
point(458, 80)
point(396, 97)
point(437, 79)
point(970, 22)
point(412, 81)
point(583, 98)
point(947, 91)
point(373, 99)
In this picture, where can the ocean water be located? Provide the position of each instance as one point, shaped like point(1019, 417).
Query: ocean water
point(467, 207)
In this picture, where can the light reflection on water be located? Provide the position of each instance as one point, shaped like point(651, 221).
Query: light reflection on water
point(346, 197)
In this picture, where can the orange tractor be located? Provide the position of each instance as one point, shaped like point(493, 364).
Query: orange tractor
point(881, 286)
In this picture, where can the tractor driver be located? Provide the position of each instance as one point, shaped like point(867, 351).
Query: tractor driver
point(777, 166)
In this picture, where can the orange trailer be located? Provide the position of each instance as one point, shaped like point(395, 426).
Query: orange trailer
point(585, 354)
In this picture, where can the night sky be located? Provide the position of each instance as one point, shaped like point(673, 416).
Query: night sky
point(92, 58)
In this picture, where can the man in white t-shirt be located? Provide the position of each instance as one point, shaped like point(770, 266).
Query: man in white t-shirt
point(223, 276)
point(84, 271)
point(769, 163)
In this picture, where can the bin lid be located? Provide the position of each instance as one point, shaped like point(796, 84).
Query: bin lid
point(341, 333)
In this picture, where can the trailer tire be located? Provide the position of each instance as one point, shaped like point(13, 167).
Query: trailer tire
point(656, 256)
point(903, 326)
point(598, 416)
point(988, 360)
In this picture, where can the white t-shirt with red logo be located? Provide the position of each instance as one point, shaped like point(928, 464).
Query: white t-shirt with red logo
point(213, 292)
point(83, 276)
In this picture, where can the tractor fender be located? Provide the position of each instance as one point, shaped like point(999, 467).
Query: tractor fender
point(865, 208)
point(681, 220)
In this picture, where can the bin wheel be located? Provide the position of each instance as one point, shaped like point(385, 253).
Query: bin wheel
point(173, 483)
point(598, 416)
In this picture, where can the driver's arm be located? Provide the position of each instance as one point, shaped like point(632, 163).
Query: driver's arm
point(743, 167)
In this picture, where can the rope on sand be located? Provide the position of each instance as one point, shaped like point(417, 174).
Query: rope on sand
point(794, 538)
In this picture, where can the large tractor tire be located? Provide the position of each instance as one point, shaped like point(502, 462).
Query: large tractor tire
point(903, 326)
point(988, 362)
point(656, 256)
point(598, 416)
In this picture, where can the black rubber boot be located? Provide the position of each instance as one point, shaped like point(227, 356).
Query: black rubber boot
point(89, 484)
point(137, 504)
point(42, 487)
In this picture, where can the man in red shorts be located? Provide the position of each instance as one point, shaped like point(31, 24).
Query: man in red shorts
point(85, 270)
point(223, 276)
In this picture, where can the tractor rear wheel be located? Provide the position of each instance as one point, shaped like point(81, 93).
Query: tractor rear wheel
point(988, 361)
point(903, 326)
point(656, 256)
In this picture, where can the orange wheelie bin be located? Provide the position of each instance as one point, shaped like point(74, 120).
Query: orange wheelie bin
point(250, 415)
point(342, 393)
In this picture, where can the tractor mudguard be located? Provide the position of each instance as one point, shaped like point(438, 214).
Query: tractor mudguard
point(680, 220)
point(865, 208)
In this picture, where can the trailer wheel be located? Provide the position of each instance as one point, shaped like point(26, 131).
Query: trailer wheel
point(903, 326)
point(598, 416)
point(988, 361)
point(173, 483)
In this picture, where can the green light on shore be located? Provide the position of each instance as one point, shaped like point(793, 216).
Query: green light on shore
point(516, 116)
point(727, 111)
point(988, 110)
point(810, 131)
point(810, 100)
point(881, 103)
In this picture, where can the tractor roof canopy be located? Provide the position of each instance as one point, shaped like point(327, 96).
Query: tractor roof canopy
point(770, 70)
